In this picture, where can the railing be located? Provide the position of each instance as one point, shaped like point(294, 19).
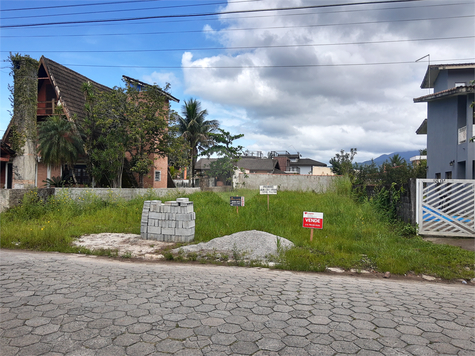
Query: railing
point(45, 108)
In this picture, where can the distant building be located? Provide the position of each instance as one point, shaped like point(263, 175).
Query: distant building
point(294, 164)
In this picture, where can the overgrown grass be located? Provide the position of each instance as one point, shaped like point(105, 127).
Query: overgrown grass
point(354, 235)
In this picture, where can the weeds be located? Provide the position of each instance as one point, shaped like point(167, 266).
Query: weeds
point(354, 234)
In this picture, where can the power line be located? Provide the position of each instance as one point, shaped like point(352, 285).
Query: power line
point(211, 13)
point(245, 47)
point(263, 66)
point(308, 13)
point(238, 29)
point(78, 5)
point(121, 10)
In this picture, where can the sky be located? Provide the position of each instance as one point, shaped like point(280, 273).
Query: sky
point(307, 76)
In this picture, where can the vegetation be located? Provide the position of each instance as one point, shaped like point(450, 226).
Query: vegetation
point(354, 234)
point(388, 182)
point(120, 122)
point(59, 142)
point(24, 102)
point(223, 168)
point(196, 130)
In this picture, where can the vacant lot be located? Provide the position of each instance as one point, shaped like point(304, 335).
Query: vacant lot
point(354, 235)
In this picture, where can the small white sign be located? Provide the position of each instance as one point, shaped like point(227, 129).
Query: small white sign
point(268, 189)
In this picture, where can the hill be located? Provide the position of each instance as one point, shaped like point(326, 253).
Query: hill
point(383, 158)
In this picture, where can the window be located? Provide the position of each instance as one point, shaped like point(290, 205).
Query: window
point(437, 176)
point(448, 175)
point(158, 176)
point(459, 84)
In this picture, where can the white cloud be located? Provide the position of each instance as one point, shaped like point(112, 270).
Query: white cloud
point(281, 104)
point(161, 79)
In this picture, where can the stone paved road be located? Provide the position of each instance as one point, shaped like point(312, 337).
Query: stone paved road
point(57, 304)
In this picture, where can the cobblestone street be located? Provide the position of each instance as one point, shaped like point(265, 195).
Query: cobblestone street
point(60, 304)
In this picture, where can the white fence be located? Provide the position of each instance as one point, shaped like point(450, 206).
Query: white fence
point(446, 207)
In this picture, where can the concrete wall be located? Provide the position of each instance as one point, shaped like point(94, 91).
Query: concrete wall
point(295, 182)
point(12, 197)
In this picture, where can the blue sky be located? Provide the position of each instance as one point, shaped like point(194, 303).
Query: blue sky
point(314, 79)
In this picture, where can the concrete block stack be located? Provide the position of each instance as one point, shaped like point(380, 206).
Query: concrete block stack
point(172, 221)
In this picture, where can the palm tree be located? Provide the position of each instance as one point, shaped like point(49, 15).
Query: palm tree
point(195, 129)
point(59, 142)
point(396, 160)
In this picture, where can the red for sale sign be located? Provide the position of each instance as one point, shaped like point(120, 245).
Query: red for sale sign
point(313, 220)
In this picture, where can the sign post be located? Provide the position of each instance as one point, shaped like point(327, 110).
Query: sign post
point(267, 190)
point(237, 202)
point(313, 221)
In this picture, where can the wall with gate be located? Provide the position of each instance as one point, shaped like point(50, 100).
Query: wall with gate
point(446, 207)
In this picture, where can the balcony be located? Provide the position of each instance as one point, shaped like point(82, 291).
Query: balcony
point(462, 134)
point(45, 108)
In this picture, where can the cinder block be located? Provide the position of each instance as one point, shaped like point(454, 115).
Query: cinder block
point(188, 224)
point(168, 230)
point(184, 232)
point(153, 215)
point(154, 229)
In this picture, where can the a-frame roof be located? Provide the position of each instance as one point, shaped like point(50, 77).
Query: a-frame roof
point(138, 82)
point(68, 86)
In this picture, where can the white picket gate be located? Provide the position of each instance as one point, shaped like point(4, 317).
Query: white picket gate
point(446, 207)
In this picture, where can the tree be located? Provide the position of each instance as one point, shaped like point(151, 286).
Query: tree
point(120, 122)
point(229, 155)
point(148, 133)
point(342, 163)
point(104, 130)
point(178, 147)
point(59, 142)
point(196, 130)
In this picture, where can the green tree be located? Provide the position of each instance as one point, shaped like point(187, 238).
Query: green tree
point(148, 132)
point(178, 147)
point(342, 163)
point(196, 130)
point(223, 168)
point(59, 142)
point(124, 122)
point(105, 131)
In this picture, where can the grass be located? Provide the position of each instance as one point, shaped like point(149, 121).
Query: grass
point(354, 235)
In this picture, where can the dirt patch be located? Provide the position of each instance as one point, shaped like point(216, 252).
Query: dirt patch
point(129, 245)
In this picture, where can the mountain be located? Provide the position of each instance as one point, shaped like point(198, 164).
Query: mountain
point(383, 158)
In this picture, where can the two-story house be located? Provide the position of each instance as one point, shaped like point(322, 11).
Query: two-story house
point(450, 123)
point(59, 86)
point(294, 164)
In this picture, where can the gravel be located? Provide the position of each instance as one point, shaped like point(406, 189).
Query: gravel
point(251, 245)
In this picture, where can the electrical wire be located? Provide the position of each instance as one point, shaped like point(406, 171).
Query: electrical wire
point(236, 29)
point(244, 47)
point(123, 10)
point(210, 13)
point(264, 66)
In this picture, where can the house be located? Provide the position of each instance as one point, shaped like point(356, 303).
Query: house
point(293, 163)
point(247, 164)
point(58, 85)
point(450, 123)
